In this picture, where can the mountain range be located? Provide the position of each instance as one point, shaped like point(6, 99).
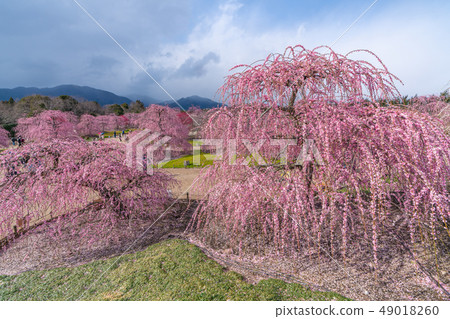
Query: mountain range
point(194, 100)
point(102, 97)
point(78, 92)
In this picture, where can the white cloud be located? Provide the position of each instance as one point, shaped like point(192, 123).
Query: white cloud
point(226, 38)
point(54, 42)
point(412, 47)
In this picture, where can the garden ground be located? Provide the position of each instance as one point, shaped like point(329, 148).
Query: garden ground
point(156, 267)
point(187, 179)
point(171, 270)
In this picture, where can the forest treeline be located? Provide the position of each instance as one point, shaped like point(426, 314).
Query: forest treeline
point(11, 110)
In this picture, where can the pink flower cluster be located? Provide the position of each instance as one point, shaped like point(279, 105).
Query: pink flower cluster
point(78, 183)
point(380, 163)
point(4, 137)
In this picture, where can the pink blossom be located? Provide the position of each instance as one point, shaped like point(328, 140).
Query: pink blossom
point(4, 137)
point(47, 125)
point(372, 155)
point(76, 181)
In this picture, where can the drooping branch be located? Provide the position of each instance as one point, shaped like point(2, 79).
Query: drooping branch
point(370, 153)
point(63, 178)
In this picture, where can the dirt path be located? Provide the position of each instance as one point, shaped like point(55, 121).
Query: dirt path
point(188, 178)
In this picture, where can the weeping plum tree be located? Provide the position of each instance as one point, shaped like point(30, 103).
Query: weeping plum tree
point(133, 119)
point(119, 122)
point(185, 119)
point(444, 116)
point(370, 167)
point(435, 106)
point(106, 122)
point(91, 125)
point(4, 137)
point(78, 182)
point(165, 120)
point(432, 104)
point(88, 125)
point(47, 125)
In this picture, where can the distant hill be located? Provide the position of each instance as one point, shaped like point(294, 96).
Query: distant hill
point(147, 100)
point(86, 93)
point(195, 100)
point(78, 92)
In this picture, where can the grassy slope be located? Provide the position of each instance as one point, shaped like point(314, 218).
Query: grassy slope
point(170, 270)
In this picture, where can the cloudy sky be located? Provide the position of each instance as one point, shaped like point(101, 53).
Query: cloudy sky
point(188, 46)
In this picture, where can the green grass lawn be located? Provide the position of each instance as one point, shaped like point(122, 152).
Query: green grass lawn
point(205, 159)
point(170, 270)
point(108, 134)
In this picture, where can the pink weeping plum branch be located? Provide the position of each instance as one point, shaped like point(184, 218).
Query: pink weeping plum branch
point(382, 163)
